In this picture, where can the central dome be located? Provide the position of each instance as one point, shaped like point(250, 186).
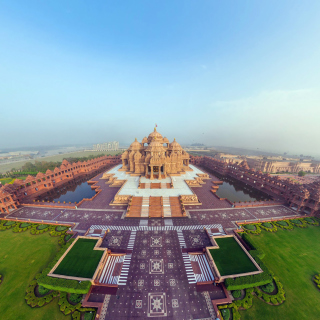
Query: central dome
point(154, 135)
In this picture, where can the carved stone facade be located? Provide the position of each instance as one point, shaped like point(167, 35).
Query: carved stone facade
point(155, 157)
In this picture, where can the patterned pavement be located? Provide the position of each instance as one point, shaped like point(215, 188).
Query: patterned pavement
point(156, 277)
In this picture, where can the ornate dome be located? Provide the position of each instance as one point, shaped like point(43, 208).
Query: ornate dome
point(174, 145)
point(154, 134)
point(135, 145)
point(155, 146)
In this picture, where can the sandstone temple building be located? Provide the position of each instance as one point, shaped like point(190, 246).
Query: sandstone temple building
point(155, 157)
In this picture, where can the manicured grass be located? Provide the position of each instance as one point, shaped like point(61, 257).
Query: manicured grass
point(81, 261)
point(230, 258)
point(22, 256)
point(294, 258)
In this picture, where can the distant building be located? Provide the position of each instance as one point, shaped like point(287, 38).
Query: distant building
point(107, 146)
point(272, 164)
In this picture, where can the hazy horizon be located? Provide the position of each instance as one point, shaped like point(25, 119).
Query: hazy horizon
point(231, 74)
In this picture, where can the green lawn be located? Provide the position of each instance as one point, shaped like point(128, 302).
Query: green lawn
point(294, 258)
point(81, 261)
point(22, 256)
point(230, 258)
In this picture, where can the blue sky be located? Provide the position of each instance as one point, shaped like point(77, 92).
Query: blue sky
point(234, 73)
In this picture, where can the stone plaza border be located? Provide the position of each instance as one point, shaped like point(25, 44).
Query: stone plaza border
point(213, 265)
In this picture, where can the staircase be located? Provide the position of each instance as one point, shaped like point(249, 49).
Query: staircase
point(166, 207)
point(145, 207)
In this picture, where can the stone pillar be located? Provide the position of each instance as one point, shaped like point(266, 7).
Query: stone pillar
point(151, 175)
point(147, 169)
point(159, 173)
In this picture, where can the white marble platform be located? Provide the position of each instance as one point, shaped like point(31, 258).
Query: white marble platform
point(179, 185)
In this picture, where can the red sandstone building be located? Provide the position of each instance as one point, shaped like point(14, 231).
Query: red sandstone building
point(303, 198)
point(11, 195)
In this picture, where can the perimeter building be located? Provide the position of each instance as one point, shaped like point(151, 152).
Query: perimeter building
point(106, 146)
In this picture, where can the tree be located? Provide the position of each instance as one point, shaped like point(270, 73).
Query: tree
point(301, 173)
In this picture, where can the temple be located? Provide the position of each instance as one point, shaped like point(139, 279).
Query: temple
point(155, 157)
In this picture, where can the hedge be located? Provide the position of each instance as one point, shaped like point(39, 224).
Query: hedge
point(33, 301)
point(65, 306)
point(249, 226)
point(248, 240)
point(251, 281)
point(268, 288)
point(66, 285)
point(275, 299)
point(311, 221)
point(254, 252)
point(4, 225)
point(284, 224)
point(225, 314)
point(299, 222)
point(268, 226)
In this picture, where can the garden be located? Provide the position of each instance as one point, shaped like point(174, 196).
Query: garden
point(287, 251)
point(27, 251)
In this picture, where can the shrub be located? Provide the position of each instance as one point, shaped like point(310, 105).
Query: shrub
point(267, 225)
point(311, 221)
point(275, 299)
point(25, 224)
point(42, 290)
point(249, 226)
point(236, 294)
point(89, 315)
point(33, 301)
point(284, 224)
point(316, 280)
point(42, 226)
point(67, 237)
point(299, 222)
point(9, 223)
point(246, 302)
point(225, 313)
point(253, 228)
point(268, 288)
point(61, 228)
point(76, 315)
point(75, 298)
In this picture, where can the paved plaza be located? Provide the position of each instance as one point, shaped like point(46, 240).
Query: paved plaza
point(158, 282)
point(153, 264)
